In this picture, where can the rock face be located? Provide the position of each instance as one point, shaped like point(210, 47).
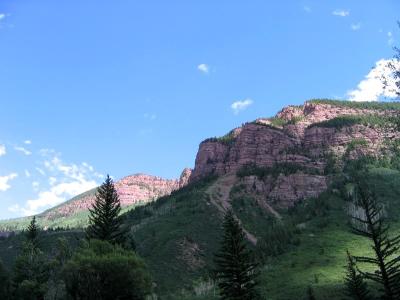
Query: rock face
point(298, 136)
point(134, 189)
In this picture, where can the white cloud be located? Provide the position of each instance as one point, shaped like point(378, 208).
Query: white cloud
point(240, 105)
point(27, 173)
point(341, 12)
point(371, 87)
point(356, 26)
point(52, 180)
point(4, 185)
point(64, 182)
point(2, 16)
point(22, 150)
point(27, 142)
point(203, 68)
point(307, 9)
point(3, 150)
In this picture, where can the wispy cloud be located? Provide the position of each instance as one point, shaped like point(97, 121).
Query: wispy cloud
point(2, 16)
point(204, 68)
point(22, 150)
point(356, 26)
point(307, 9)
point(241, 105)
point(27, 142)
point(4, 185)
point(64, 181)
point(3, 150)
point(371, 88)
point(341, 13)
point(41, 171)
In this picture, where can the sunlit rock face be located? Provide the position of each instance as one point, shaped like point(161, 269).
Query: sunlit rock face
point(134, 189)
point(296, 135)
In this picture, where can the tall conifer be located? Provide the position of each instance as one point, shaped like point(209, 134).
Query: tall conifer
point(236, 271)
point(32, 233)
point(372, 226)
point(104, 221)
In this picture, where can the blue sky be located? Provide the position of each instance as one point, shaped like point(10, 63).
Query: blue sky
point(121, 87)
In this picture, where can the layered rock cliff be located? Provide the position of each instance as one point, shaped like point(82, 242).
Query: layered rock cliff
point(306, 138)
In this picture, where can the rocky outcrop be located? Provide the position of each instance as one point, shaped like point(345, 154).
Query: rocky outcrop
point(284, 191)
point(134, 189)
point(296, 135)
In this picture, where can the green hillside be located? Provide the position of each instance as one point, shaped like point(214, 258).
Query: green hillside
point(177, 236)
point(307, 248)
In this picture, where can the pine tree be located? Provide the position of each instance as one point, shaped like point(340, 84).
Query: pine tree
point(236, 272)
point(104, 220)
point(372, 226)
point(31, 268)
point(356, 288)
point(32, 233)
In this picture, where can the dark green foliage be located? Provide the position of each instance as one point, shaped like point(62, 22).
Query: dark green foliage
point(32, 233)
point(105, 222)
point(102, 271)
point(303, 211)
point(285, 168)
point(236, 271)
point(356, 287)
point(372, 226)
point(355, 143)
point(332, 166)
point(31, 268)
point(60, 255)
point(278, 237)
point(228, 139)
point(359, 105)
point(31, 273)
point(350, 120)
point(4, 283)
point(279, 122)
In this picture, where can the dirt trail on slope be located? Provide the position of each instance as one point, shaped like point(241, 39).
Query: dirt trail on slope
point(268, 208)
point(219, 197)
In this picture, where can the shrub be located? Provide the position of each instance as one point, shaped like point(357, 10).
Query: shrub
point(100, 270)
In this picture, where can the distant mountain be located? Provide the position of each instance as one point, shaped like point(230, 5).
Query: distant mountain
point(133, 190)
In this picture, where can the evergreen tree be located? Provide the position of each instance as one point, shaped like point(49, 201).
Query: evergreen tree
point(236, 272)
point(104, 220)
point(356, 288)
point(31, 268)
point(32, 232)
point(371, 225)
